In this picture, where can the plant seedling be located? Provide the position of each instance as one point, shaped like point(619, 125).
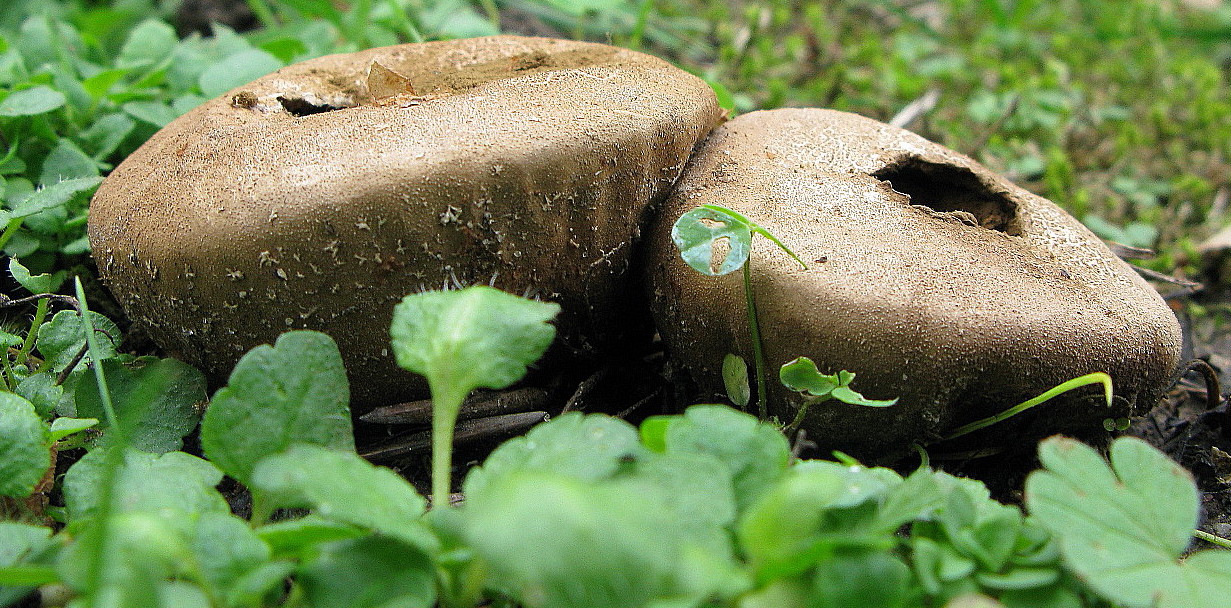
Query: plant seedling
point(477, 337)
point(802, 376)
point(714, 241)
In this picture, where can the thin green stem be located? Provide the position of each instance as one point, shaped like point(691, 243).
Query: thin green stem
point(445, 407)
point(1213, 540)
point(112, 461)
point(10, 380)
point(263, 13)
point(40, 315)
point(493, 13)
point(9, 230)
point(113, 421)
point(799, 415)
point(1094, 378)
point(758, 353)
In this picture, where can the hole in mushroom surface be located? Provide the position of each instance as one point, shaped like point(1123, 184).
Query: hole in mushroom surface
point(954, 190)
point(298, 106)
point(719, 252)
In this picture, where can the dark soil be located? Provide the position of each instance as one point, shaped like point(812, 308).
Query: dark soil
point(1186, 424)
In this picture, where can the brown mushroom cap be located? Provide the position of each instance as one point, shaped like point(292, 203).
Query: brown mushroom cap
point(928, 276)
point(319, 195)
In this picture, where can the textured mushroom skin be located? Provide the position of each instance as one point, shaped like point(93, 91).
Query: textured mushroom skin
point(972, 297)
point(319, 195)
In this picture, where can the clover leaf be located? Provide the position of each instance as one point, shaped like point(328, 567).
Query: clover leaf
point(1123, 527)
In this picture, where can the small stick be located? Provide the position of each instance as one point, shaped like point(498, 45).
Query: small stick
point(585, 388)
point(467, 431)
point(7, 302)
point(478, 405)
point(916, 109)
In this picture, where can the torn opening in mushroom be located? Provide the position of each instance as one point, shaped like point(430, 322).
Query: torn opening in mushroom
point(952, 189)
point(298, 106)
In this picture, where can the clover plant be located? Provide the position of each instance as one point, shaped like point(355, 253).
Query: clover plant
point(706, 508)
point(701, 235)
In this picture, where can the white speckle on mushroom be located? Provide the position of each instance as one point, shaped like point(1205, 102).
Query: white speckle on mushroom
point(451, 214)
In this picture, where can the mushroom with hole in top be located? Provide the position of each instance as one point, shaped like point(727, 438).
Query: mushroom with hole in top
point(932, 279)
point(319, 195)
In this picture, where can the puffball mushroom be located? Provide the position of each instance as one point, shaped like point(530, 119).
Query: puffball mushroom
point(931, 278)
point(319, 195)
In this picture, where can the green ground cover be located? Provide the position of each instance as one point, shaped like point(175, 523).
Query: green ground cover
point(1118, 111)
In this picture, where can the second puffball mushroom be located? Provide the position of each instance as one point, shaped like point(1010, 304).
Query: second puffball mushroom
point(934, 280)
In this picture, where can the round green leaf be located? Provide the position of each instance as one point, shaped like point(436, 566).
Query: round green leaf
point(756, 454)
point(587, 447)
point(60, 339)
point(556, 542)
point(735, 379)
point(471, 338)
point(36, 100)
point(712, 242)
point(292, 392)
point(151, 42)
point(147, 483)
point(157, 400)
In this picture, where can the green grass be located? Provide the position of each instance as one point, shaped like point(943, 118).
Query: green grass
point(1118, 111)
